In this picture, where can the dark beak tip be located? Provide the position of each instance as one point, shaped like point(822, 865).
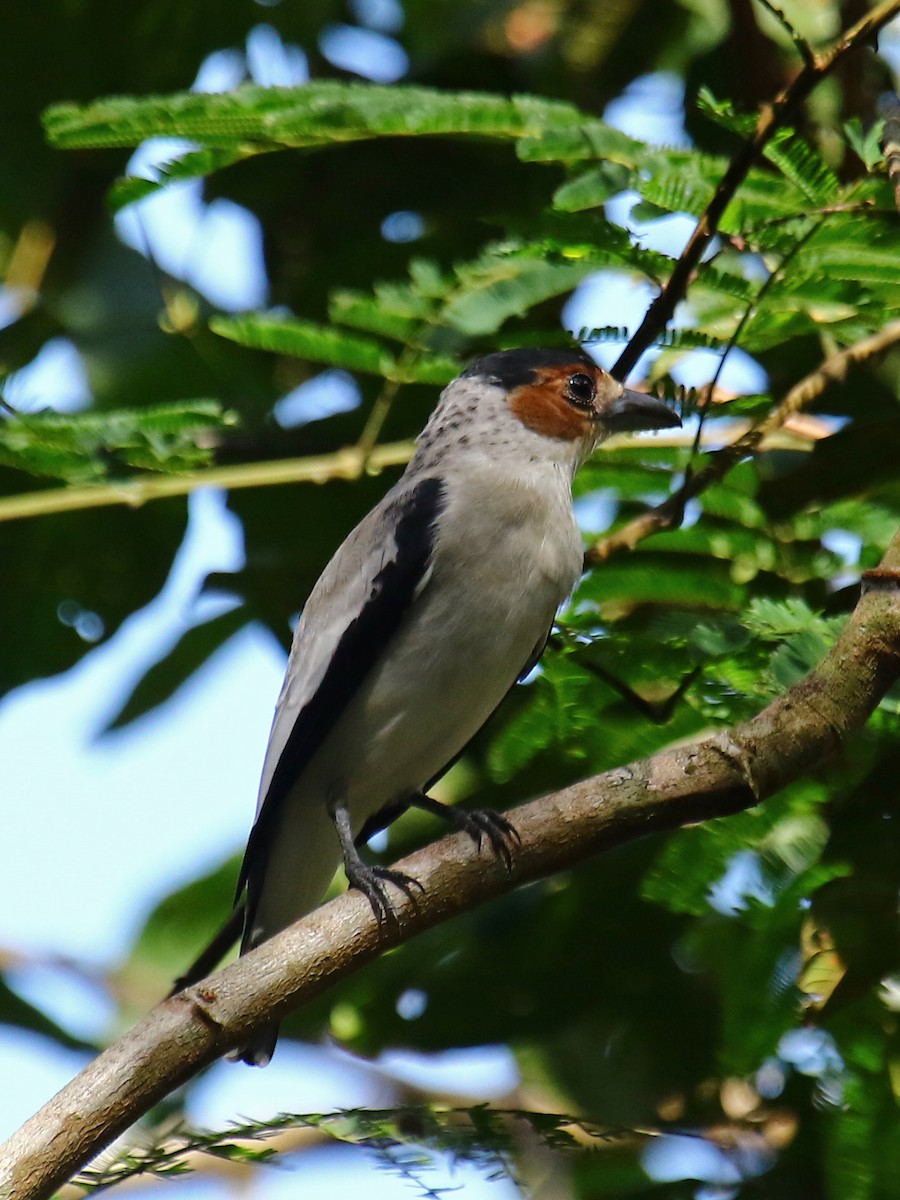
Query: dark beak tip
point(634, 411)
point(672, 420)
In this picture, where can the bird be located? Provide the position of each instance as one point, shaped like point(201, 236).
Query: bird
point(429, 612)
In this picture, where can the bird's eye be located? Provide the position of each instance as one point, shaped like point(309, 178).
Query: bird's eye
point(580, 390)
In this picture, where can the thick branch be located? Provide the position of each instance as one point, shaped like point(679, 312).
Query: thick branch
point(668, 514)
point(721, 775)
point(771, 119)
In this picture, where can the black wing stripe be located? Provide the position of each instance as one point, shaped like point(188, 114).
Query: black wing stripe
point(535, 656)
point(364, 639)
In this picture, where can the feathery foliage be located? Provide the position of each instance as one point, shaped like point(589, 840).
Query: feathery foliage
point(738, 979)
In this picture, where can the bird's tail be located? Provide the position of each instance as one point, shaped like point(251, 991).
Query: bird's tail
point(213, 953)
point(259, 1051)
point(281, 887)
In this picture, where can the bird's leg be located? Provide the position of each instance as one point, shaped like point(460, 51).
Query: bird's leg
point(381, 820)
point(370, 880)
point(476, 822)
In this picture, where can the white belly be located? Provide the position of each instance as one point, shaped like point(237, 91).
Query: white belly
point(453, 659)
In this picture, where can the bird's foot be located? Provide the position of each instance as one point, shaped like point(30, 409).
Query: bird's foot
point(372, 881)
point(478, 823)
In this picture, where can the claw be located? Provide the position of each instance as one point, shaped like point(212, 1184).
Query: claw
point(478, 823)
point(371, 882)
point(500, 833)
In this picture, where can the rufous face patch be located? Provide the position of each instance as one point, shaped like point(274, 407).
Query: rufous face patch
point(560, 402)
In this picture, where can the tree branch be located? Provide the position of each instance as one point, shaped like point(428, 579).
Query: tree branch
point(723, 774)
point(350, 462)
point(719, 462)
point(890, 144)
point(771, 119)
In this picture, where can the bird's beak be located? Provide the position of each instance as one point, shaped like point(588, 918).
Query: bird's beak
point(636, 410)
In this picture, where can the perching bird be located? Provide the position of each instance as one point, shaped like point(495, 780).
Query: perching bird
point(433, 607)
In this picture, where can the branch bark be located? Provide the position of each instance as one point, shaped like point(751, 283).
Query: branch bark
point(890, 145)
point(348, 463)
point(723, 774)
point(771, 118)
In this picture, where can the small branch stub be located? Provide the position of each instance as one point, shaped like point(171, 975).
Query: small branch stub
point(882, 579)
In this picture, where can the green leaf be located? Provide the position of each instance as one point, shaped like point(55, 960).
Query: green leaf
point(19, 1014)
point(651, 577)
point(192, 165)
point(333, 347)
point(176, 931)
point(304, 339)
point(92, 446)
point(553, 697)
point(794, 157)
point(790, 663)
point(308, 116)
point(874, 523)
point(498, 287)
point(866, 142)
point(854, 262)
point(723, 113)
point(803, 166)
point(576, 141)
point(373, 315)
point(592, 188)
point(610, 246)
point(774, 620)
point(724, 283)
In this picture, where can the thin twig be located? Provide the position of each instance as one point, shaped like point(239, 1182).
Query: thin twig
point(890, 144)
point(801, 45)
point(384, 401)
point(668, 514)
point(771, 119)
point(375, 421)
point(749, 311)
point(347, 463)
point(865, 207)
point(832, 370)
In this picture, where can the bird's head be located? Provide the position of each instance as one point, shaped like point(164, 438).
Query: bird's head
point(564, 395)
point(543, 403)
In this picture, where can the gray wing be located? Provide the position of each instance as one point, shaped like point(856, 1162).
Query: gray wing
point(352, 613)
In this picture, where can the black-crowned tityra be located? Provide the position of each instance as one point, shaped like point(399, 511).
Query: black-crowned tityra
point(428, 613)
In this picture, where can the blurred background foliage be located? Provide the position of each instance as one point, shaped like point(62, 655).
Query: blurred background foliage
point(738, 982)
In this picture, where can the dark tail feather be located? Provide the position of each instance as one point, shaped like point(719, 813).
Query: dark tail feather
point(259, 1051)
point(211, 955)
